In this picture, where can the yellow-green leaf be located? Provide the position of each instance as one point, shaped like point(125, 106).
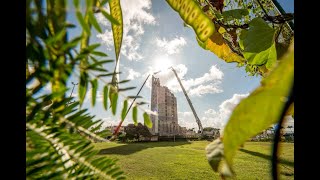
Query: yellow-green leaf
point(114, 101)
point(261, 109)
point(290, 110)
point(105, 97)
point(94, 84)
point(135, 115)
point(109, 17)
point(117, 30)
point(124, 110)
point(220, 48)
point(83, 86)
point(82, 22)
point(147, 120)
point(94, 22)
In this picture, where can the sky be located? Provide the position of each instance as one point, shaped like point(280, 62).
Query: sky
point(154, 39)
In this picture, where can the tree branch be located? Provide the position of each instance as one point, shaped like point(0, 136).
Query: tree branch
point(243, 26)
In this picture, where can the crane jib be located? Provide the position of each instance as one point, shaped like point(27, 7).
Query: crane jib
point(189, 101)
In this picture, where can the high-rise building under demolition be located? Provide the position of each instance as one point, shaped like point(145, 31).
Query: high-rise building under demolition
point(165, 104)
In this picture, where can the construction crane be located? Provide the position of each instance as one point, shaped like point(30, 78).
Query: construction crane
point(190, 104)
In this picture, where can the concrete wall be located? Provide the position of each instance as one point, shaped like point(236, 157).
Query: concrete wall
point(165, 103)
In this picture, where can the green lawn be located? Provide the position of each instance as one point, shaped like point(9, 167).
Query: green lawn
point(187, 160)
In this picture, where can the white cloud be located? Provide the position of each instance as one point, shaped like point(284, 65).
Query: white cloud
point(225, 109)
point(135, 14)
point(212, 118)
point(186, 119)
point(205, 89)
point(207, 83)
point(132, 74)
point(171, 46)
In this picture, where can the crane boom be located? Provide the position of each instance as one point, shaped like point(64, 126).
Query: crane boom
point(189, 101)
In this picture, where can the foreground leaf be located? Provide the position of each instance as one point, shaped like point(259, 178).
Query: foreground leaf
point(124, 110)
point(117, 29)
point(147, 120)
point(261, 109)
point(105, 97)
point(220, 48)
point(258, 43)
point(94, 84)
point(114, 101)
point(214, 153)
point(135, 115)
point(235, 14)
point(83, 87)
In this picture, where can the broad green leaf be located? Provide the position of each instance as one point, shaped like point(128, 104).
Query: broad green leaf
point(105, 97)
point(94, 22)
point(82, 22)
point(113, 101)
point(258, 43)
point(83, 86)
point(135, 115)
point(220, 48)
point(235, 14)
point(261, 109)
point(94, 84)
point(147, 120)
point(124, 110)
point(117, 30)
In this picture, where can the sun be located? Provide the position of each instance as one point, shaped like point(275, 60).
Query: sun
point(162, 63)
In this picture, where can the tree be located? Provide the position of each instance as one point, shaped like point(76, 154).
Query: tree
point(208, 129)
point(135, 132)
point(244, 32)
point(59, 132)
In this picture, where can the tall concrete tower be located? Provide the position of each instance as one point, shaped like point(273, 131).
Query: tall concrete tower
point(165, 104)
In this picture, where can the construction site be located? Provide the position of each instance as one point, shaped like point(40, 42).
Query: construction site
point(165, 118)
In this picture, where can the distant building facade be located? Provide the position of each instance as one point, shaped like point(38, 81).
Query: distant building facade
point(165, 104)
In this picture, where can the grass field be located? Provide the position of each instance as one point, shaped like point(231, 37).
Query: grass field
point(187, 160)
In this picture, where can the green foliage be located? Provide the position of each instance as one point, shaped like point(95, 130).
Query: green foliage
point(59, 134)
point(124, 110)
point(134, 132)
point(135, 115)
point(248, 34)
point(190, 12)
point(235, 14)
point(94, 84)
point(105, 97)
point(147, 120)
point(117, 29)
point(261, 109)
point(258, 43)
point(114, 102)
